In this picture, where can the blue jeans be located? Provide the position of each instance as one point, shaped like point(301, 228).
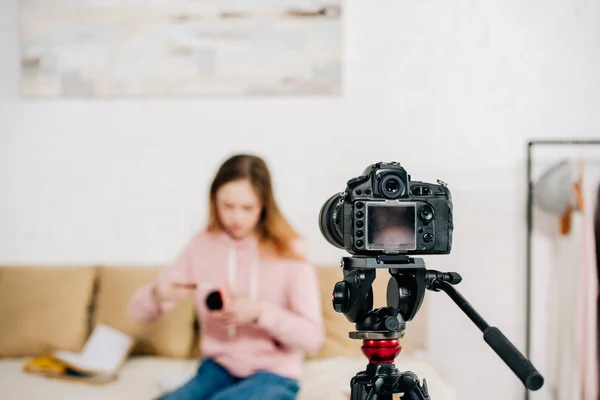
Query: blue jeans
point(213, 382)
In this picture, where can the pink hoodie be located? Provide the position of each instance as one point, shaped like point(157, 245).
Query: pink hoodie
point(290, 324)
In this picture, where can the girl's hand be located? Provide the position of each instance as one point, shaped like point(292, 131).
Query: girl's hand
point(239, 312)
point(173, 290)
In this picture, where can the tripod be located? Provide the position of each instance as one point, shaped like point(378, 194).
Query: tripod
point(381, 329)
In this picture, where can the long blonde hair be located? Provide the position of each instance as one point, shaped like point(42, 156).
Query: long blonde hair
point(276, 233)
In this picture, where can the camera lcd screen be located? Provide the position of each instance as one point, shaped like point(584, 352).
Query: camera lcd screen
point(391, 226)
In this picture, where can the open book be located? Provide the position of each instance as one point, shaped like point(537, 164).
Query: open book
point(98, 362)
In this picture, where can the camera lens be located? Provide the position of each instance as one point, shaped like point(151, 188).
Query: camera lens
point(329, 222)
point(426, 213)
point(392, 187)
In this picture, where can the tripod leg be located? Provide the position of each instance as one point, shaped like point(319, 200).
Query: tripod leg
point(358, 392)
point(425, 389)
point(418, 392)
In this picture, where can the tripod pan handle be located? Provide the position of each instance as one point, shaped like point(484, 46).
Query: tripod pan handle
point(521, 366)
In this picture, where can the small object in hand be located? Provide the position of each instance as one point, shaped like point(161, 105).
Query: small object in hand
point(216, 300)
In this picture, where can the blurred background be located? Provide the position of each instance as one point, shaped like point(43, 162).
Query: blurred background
point(105, 165)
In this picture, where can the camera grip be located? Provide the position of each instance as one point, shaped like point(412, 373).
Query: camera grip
point(521, 366)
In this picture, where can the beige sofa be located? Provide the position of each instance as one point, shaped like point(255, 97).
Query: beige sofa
point(43, 308)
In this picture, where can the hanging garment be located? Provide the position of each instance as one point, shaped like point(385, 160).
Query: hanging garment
point(564, 373)
point(597, 232)
point(572, 345)
point(554, 196)
point(588, 296)
point(597, 240)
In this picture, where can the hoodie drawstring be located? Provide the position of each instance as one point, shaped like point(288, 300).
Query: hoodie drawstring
point(231, 271)
point(231, 275)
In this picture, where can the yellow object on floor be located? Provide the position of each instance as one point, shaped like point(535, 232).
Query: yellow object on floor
point(44, 365)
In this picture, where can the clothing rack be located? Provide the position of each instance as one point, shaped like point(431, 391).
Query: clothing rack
point(530, 189)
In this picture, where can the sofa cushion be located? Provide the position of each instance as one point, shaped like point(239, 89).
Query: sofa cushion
point(337, 327)
point(170, 336)
point(44, 309)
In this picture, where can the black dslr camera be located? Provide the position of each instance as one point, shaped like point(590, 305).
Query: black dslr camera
point(383, 212)
point(382, 219)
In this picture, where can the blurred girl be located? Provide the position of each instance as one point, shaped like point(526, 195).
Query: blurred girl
point(254, 345)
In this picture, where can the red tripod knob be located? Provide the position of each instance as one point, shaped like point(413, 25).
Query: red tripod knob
point(381, 351)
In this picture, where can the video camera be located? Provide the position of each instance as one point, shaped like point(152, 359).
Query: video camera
point(382, 219)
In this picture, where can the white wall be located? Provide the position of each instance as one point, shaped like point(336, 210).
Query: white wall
point(451, 89)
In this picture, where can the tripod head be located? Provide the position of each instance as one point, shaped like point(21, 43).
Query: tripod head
point(381, 328)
